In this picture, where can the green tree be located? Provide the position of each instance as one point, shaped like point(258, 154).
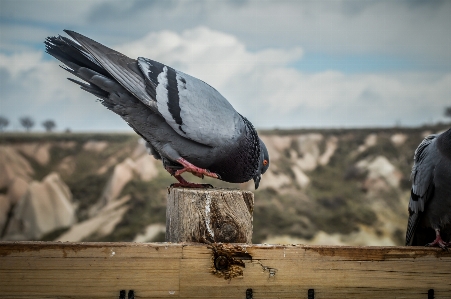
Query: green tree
point(448, 111)
point(27, 122)
point(4, 122)
point(49, 125)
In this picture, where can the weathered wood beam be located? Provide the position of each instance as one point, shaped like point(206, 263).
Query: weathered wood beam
point(162, 270)
point(209, 215)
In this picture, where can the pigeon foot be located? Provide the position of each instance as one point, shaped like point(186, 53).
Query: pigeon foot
point(184, 184)
point(438, 242)
point(197, 171)
point(191, 185)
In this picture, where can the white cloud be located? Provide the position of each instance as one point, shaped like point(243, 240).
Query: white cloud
point(20, 62)
point(18, 38)
point(54, 11)
point(260, 84)
point(216, 56)
point(418, 30)
point(36, 87)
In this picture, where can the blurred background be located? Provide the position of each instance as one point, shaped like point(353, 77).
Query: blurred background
point(342, 92)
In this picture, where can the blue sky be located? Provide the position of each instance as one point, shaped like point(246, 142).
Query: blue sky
point(285, 64)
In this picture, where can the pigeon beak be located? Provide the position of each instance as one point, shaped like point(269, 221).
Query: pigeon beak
point(257, 179)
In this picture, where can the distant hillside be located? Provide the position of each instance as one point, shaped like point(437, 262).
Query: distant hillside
point(336, 186)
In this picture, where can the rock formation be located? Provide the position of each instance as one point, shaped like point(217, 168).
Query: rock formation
point(12, 166)
point(45, 207)
point(99, 225)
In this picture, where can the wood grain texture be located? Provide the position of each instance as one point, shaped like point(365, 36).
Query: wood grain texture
point(162, 270)
point(209, 215)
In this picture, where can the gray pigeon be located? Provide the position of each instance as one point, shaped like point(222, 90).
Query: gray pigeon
point(185, 122)
point(430, 200)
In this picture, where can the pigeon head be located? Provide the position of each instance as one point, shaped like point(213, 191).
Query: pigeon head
point(263, 164)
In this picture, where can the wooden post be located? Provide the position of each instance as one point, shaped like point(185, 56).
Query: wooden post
point(209, 215)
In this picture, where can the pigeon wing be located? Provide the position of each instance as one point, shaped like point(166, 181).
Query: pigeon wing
point(425, 159)
point(422, 175)
point(193, 108)
point(124, 69)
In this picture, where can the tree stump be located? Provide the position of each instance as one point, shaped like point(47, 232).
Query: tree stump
point(209, 215)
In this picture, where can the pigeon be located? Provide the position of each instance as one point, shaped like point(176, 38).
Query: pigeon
point(186, 123)
point(430, 199)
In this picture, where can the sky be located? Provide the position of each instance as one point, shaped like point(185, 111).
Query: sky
point(282, 64)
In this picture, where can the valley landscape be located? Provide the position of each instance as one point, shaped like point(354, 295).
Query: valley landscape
point(324, 186)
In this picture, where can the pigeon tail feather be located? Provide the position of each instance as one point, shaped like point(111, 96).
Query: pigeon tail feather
point(122, 68)
point(100, 83)
point(411, 228)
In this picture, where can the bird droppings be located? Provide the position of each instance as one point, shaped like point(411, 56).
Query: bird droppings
point(228, 260)
point(207, 216)
point(171, 292)
point(112, 253)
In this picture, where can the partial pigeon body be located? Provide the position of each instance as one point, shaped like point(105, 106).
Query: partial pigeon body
point(430, 201)
point(185, 122)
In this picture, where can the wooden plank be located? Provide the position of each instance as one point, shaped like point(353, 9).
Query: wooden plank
point(162, 270)
point(334, 272)
point(91, 249)
point(88, 270)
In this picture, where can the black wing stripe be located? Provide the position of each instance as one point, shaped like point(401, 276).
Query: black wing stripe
point(173, 97)
point(155, 68)
point(152, 68)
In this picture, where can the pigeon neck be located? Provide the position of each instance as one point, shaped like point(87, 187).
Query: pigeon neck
point(254, 146)
point(444, 143)
point(241, 164)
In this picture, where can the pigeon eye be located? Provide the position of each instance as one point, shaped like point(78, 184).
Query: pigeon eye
point(265, 162)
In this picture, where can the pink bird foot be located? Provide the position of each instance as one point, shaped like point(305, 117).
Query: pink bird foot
point(185, 184)
point(438, 242)
point(197, 171)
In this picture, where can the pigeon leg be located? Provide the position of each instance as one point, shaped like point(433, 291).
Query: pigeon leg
point(183, 183)
point(438, 242)
point(197, 171)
